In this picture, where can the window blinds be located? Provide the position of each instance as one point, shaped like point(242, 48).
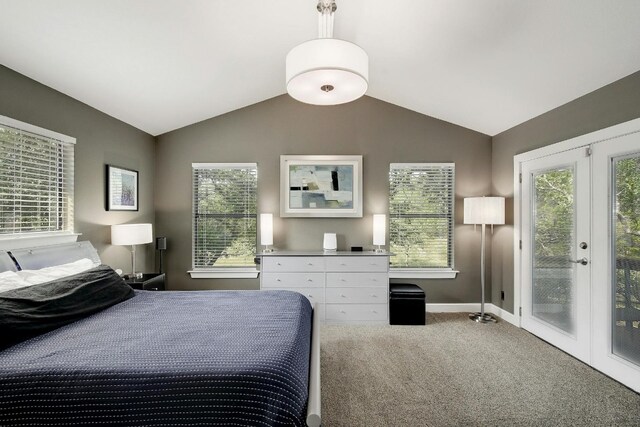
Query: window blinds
point(36, 180)
point(224, 215)
point(421, 214)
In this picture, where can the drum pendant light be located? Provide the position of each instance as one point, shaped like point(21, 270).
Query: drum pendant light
point(327, 71)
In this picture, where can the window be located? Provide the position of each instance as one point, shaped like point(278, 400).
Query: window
point(224, 219)
point(421, 215)
point(36, 181)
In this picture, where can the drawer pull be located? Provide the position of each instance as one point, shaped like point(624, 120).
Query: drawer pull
point(373, 311)
point(343, 295)
point(343, 312)
point(310, 296)
point(277, 263)
point(309, 263)
point(374, 295)
point(342, 263)
point(278, 280)
point(374, 280)
point(309, 280)
point(343, 280)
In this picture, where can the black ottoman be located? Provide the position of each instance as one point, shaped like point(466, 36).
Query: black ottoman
point(406, 304)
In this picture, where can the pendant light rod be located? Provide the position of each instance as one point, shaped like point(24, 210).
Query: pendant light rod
point(326, 9)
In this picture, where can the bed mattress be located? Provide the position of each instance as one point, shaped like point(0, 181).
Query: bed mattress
point(166, 359)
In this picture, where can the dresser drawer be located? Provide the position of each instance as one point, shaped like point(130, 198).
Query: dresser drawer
point(358, 263)
point(292, 263)
point(357, 279)
point(357, 295)
point(314, 295)
point(292, 280)
point(356, 312)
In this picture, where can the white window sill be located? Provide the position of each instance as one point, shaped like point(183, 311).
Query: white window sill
point(32, 240)
point(422, 273)
point(224, 273)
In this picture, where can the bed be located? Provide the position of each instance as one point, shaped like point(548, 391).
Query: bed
point(159, 358)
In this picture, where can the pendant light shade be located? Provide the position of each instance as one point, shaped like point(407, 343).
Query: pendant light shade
point(327, 72)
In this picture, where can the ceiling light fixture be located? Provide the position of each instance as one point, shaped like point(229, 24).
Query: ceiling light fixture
point(327, 71)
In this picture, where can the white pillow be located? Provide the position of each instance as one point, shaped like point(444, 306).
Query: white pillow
point(48, 274)
point(10, 280)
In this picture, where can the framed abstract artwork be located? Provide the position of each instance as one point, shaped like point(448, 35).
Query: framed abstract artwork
point(122, 189)
point(321, 186)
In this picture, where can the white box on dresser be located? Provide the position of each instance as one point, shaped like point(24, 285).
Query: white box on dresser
point(348, 287)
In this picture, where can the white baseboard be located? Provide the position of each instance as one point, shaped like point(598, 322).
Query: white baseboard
point(472, 308)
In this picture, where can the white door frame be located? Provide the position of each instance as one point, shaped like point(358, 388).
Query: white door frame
point(605, 134)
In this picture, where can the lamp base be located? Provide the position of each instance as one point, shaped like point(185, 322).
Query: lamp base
point(480, 318)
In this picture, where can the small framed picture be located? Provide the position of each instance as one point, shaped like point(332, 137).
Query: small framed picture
point(122, 189)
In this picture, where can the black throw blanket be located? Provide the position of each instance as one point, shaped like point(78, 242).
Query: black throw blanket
point(33, 310)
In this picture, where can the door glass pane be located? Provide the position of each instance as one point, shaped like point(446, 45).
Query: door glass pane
point(626, 242)
point(553, 222)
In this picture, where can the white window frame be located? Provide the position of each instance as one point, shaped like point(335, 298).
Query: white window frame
point(218, 272)
point(423, 272)
point(44, 238)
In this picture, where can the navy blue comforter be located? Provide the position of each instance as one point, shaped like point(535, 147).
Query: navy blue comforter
point(166, 359)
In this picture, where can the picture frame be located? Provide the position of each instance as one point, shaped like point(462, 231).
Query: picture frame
point(321, 186)
point(121, 189)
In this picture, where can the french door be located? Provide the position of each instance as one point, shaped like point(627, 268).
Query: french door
point(580, 256)
point(556, 214)
point(616, 280)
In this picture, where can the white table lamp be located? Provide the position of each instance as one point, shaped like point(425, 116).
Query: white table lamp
point(132, 234)
point(266, 231)
point(483, 211)
point(379, 231)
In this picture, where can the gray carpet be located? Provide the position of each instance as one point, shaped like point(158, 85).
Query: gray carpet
point(455, 372)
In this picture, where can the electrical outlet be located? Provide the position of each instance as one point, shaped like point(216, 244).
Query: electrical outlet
point(502, 295)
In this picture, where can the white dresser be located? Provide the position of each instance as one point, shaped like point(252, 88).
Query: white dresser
point(346, 286)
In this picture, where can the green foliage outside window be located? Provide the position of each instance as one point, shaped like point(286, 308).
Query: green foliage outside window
point(627, 232)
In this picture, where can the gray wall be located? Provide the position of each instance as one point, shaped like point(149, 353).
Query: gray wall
point(383, 133)
point(616, 103)
point(101, 139)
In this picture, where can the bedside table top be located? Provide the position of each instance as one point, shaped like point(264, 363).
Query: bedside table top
point(148, 282)
point(145, 277)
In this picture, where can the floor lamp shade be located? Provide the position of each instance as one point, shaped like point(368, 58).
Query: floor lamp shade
point(266, 229)
point(484, 210)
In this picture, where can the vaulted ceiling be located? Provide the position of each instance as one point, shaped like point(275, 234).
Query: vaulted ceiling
point(163, 64)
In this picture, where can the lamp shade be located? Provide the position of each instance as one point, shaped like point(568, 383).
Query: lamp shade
point(266, 229)
point(484, 210)
point(379, 229)
point(131, 234)
point(327, 71)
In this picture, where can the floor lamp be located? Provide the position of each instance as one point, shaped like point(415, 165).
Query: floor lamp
point(483, 211)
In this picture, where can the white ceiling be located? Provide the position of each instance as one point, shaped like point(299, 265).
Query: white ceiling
point(162, 64)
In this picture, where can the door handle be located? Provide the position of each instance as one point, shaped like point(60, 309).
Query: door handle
point(582, 261)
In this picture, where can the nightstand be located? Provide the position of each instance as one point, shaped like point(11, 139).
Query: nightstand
point(148, 282)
